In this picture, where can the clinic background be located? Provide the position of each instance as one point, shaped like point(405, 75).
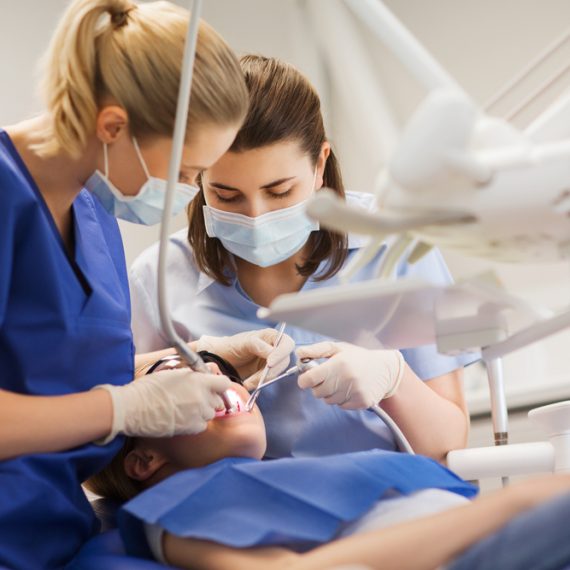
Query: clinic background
point(367, 96)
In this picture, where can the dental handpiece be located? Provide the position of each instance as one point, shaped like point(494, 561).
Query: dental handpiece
point(196, 363)
point(176, 361)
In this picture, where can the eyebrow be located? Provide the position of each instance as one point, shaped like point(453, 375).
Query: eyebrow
point(276, 183)
point(190, 167)
point(223, 186)
point(264, 187)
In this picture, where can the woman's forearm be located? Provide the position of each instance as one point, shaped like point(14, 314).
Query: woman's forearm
point(41, 424)
point(433, 424)
point(205, 555)
point(424, 544)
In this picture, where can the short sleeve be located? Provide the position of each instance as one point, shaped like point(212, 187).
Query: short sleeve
point(426, 361)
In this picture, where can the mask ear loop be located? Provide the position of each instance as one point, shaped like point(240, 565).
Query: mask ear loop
point(106, 160)
point(140, 157)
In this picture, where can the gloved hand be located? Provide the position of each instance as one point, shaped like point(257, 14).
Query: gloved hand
point(250, 351)
point(354, 378)
point(165, 403)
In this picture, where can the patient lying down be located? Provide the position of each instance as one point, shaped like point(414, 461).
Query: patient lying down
point(207, 501)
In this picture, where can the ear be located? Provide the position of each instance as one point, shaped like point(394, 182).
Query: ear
point(321, 163)
point(214, 368)
point(142, 463)
point(112, 123)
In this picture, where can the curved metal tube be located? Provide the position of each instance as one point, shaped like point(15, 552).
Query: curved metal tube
point(403, 443)
point(193, 359)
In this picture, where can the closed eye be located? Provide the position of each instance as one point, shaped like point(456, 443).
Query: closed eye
point(281, 195)
point(230, 199)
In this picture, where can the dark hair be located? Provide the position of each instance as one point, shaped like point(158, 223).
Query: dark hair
point(283, 106)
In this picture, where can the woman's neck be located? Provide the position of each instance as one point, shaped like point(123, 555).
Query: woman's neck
point(263, 284)
point(59, 178)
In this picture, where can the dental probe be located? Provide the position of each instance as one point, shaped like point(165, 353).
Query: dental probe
point(253, 397)
point(298, 368)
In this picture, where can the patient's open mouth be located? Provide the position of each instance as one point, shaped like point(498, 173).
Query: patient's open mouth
point(237, 404)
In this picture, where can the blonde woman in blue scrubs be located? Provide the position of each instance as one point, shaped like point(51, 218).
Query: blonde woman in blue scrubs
point(249, 241)
point(100, 149)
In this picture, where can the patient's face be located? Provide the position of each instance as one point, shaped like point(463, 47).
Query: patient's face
point(241, 434)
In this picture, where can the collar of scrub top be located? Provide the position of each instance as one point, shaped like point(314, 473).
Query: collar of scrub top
point(204, 281)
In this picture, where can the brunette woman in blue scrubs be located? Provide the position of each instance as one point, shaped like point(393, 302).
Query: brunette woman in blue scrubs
point(111, 81)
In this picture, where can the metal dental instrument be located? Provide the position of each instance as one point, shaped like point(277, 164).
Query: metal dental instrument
point(192, 358)
point(305, 365)
point(297, 369)
point(255, 393)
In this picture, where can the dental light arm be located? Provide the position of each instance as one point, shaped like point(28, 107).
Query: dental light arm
point(465, 180)
point(325, 206)
point(403, 44)
point(459, 178)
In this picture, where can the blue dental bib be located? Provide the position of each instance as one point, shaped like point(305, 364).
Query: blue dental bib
point(299, 502)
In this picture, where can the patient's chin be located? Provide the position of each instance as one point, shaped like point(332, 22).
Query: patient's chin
point(254, 448)
point(242, 440)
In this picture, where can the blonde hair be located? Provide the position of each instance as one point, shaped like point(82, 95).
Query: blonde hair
point(132, 55)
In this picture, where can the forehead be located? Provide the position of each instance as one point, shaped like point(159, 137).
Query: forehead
point(277, 160)
point(207, 144)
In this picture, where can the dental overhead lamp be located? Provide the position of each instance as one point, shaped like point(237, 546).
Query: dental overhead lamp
point(462, 179)
point(458, 178)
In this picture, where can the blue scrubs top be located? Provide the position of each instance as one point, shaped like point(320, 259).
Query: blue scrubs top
point(297, 423)
point(64, 327)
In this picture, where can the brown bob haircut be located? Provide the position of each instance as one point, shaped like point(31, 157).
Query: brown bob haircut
point(283, 106)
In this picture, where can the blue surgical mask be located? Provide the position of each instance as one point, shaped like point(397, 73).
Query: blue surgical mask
point(265, 240)
point(147, 206)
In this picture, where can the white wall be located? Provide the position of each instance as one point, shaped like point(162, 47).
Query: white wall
point(25, 29)
point(481, 42)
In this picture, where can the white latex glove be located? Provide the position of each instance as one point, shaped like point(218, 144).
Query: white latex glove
point(166, 403)
point(250, 351)
point(354, 378)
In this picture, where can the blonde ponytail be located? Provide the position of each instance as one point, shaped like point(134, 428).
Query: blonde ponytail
point(131, 54)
